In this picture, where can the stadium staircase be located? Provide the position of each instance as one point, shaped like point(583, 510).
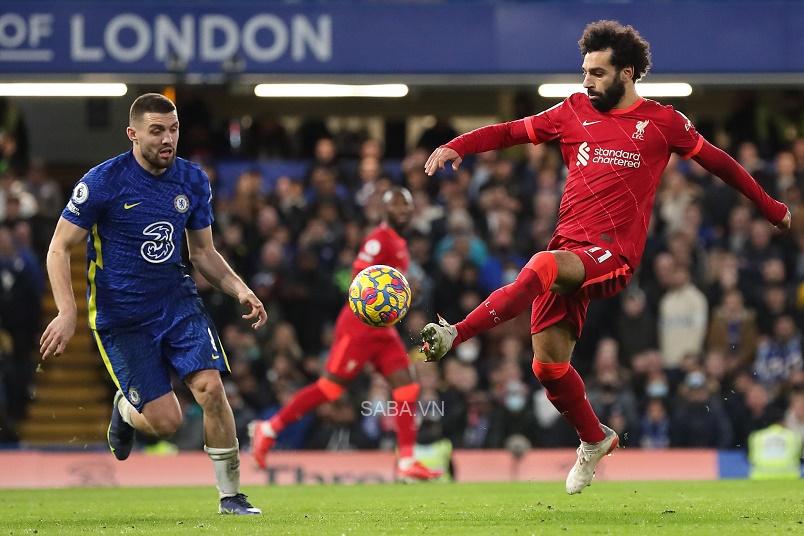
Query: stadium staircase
point(72, 393)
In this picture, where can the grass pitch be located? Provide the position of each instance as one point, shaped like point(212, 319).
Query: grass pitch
point(718, 507)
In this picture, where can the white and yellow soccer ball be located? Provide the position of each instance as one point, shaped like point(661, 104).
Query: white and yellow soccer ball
point(380, 295)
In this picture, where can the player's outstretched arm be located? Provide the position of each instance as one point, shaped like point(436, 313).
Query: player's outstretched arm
point(61, 329)
point(217, 271)
point(719, 163)
point(483, 139)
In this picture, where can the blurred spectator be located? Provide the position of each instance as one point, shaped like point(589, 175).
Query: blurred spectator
point(654, 430)
point(682, 319)
point(636, 324)
point(699, 420)
point(779, 356)
point(733, 330)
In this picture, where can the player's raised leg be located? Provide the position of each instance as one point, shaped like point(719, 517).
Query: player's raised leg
point(405, 394)
point(560, 271)
point(220, 440)
point(264, 433)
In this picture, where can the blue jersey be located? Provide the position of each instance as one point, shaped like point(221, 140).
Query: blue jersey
point(136, 222)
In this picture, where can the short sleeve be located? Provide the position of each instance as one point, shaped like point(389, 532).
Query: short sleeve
point(545, 126)
point(87, 202)
point(682, 136)
point(201, 215)
point(371, 252)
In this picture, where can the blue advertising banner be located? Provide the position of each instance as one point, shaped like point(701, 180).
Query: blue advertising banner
point(448, 38)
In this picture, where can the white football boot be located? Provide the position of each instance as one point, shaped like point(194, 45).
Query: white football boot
point(437, 339)
point(589, 454)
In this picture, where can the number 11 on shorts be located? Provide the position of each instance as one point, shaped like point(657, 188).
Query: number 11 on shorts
point(600, 258)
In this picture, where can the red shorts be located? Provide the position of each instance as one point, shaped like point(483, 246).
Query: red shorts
point(356, 344)
point(607, 273)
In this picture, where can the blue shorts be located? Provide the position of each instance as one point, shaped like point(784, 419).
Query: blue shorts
point(140, 358)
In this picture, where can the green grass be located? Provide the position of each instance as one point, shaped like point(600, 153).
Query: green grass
point(725, 508)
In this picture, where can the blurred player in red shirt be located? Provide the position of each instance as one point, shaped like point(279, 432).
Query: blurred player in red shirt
point(356, 344)
point(616, 146)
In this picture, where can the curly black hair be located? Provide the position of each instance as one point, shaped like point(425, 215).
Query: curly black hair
point(627, 46)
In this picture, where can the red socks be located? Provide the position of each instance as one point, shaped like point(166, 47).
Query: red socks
point(566, 390)
point(304, 400)
point(406, 398)
point(508, 302)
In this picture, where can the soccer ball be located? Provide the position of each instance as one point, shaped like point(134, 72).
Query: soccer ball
point(379, 295)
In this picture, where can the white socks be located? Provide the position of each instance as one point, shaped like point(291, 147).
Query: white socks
point(125, 408)
point(226, 462)
point(405, 463)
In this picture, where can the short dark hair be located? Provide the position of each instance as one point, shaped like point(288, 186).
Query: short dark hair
point(150, 103)
point(627, 46)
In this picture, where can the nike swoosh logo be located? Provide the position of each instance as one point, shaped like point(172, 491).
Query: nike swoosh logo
point(132, 205)
point(587, 123)
point(214, 357)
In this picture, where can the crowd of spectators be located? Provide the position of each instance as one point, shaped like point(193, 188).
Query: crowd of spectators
point(695, 353)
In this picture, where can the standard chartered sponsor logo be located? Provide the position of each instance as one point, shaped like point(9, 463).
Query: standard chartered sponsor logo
point(612, 157)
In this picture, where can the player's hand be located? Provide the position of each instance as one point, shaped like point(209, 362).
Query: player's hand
point(441, 156)
point(257, 309)
point(57, 334)
point(784, 225)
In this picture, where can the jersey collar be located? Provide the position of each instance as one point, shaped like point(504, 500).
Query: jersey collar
point(631, 108)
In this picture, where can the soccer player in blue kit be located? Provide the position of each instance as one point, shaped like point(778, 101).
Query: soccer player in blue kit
point(144, 311)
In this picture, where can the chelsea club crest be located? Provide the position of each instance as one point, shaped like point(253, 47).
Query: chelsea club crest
point(181, 203)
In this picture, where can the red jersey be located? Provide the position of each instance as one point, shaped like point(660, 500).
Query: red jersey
point(615, 162)
point(383, 245)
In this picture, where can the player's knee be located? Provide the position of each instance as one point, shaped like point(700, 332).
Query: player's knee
point(331, 389)
point(209, 393)
point(546, 371)
point(166, 425)
point(539, 273)
point(407, 393)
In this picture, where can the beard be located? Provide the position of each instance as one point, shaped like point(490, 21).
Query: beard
point(158, 161)
point(610, 97)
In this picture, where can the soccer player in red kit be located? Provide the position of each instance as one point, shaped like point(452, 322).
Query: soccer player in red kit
point(356, 344)
point(616, 146)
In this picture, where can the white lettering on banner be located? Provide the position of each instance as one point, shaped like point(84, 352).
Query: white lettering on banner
point(15, 30)
point(41, 26)
point(132, 37)
point(274, 25)
point(210, 24)
point(304, 34)
point(168, 35)
point(111, 38)
point(78, 50)
point(12, 30)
